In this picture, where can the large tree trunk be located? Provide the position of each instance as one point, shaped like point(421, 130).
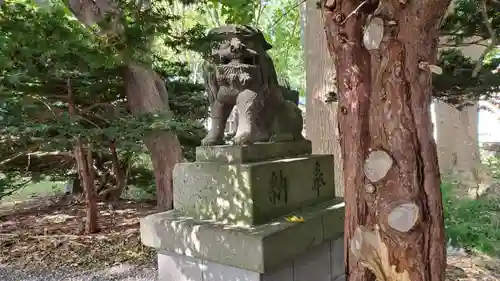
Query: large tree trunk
point(458, 143)
point(391, 171)
point(146, 92)
point(458, 148)
point(321, 114)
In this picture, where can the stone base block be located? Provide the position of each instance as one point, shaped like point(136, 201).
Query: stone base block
point(233, 154)
point(258, 248)
point(323, 262)
point(253, 193)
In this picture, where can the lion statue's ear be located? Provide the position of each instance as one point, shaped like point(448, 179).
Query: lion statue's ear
point(267, 46)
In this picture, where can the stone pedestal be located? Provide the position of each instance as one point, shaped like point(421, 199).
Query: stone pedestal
point(232, 217)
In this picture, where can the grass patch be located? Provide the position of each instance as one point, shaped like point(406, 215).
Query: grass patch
point(138, 194)
point(49, 188)
point(42, 188)
point(474, 224)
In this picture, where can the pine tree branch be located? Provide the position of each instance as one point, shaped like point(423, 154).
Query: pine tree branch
point(17, 155)
point(464, 44)
point(18, 187)
point(493, 43)
point(30, 154)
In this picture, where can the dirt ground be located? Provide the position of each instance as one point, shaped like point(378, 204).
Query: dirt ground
point(53, 237)
point(472, 268)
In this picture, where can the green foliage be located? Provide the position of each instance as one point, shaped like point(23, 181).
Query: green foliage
point(465, 27)
point(9, 183)
point(232, 11)
point(466, 21)
point(45, 54)
point(280, 23)
point(458, 86)
point(278, 20)
point(474, 224)
point(493, 164)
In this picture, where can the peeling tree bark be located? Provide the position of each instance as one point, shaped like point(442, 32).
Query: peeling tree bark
point(384, 105)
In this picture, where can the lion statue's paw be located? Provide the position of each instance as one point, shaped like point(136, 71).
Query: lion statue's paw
point(208, 141)
point(242, 139)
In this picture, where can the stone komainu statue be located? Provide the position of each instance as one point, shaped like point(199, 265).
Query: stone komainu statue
point(239, 72)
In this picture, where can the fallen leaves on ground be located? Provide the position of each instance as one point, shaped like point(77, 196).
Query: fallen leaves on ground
point(54, 237)
point(470, 267)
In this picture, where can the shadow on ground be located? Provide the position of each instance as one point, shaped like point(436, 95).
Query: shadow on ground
point(53, 237)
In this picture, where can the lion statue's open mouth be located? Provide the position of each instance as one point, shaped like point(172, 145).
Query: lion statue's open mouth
point(237, 61)
point(235, 71)
point(239, 65)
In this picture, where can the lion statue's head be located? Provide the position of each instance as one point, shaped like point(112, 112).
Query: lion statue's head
point(236, 55)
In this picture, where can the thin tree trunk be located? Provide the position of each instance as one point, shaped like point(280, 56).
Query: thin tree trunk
point(114, 193)
point(391, 171)
point(77, 186)
point(91, 225)
point(84, 166)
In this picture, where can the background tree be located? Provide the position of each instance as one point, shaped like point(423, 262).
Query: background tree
point(280, 23)
point(321, 99)
point(37, 134)
point(101, 104)
point(468, 38)
point(134, 27)
point(278, 20)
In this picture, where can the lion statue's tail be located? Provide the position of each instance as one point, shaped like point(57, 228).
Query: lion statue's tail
point(288, 93)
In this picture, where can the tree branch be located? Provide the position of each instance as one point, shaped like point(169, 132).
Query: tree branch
point(18, 187)
point(462, 44)
point(286, 13)
point(259, 12)
point(98, 104)
point(493, 43)
point(353, 12)
point(17, 155)
point(44, 103)
point(449, 43)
